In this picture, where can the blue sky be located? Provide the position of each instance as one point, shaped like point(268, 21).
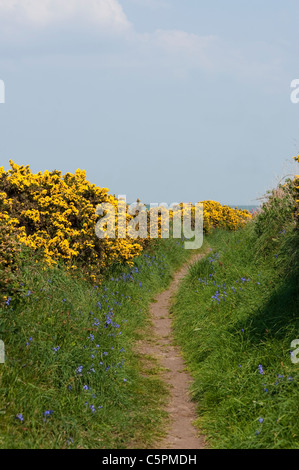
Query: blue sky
point(165, 100)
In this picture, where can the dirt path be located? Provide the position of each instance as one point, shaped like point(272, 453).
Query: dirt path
point(181, 410)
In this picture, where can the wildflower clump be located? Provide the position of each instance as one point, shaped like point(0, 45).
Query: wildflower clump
point(55, 214)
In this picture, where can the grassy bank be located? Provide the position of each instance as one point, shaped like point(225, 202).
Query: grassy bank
point(71, 378)
point(236, 314)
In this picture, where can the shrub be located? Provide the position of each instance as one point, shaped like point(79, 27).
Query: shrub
point(9, 258)
point(56, 214)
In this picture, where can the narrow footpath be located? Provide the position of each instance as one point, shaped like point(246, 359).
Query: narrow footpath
point(181, 433)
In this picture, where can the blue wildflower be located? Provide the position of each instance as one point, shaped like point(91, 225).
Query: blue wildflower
point(92, 408)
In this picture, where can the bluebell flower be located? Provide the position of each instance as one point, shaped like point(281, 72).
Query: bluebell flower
point(92, 408)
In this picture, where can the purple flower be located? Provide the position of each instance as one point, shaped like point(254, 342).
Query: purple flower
point(261, 371)
point(20, 417)
point(92, 408)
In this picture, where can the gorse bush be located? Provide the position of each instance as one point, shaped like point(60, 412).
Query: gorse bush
point(56, 214)
point(216, 215)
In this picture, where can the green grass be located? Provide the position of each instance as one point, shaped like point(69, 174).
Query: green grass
point(93, 388)
point(236, 314)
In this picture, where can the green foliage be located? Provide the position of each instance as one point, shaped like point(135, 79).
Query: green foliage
point(10, 253)
point(276, 217)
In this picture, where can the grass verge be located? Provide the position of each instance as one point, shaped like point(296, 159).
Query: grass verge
point(71, 378)
point(235, 316)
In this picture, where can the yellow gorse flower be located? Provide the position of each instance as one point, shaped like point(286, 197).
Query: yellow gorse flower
point(56, 213)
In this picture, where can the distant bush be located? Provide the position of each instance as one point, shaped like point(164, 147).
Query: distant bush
point(216, 215)
point(222, 216)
